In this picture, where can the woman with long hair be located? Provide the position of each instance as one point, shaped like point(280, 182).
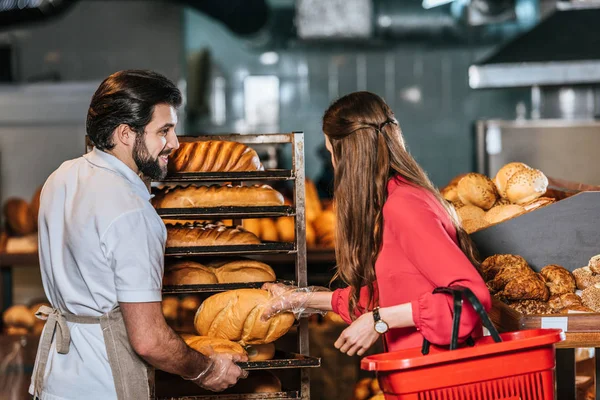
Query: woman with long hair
point(397, 239)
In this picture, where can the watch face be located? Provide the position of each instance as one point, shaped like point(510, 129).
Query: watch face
point(381, 327)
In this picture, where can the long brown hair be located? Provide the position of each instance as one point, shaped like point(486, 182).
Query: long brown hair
point(368, 149)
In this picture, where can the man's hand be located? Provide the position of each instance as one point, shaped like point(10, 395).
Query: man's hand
point(222, 372)
point(358, 337)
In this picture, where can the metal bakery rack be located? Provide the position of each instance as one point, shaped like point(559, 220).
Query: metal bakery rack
point(297, 249)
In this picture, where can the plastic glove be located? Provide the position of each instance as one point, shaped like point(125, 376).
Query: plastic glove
point(221, 371)
point(290, 299)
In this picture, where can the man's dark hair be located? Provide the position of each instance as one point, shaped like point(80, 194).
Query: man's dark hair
point(127, 97)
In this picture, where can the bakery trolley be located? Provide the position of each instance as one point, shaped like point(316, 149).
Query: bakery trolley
point(297, 249)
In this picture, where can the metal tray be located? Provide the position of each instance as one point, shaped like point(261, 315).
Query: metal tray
point(219, 287)
point(271, 175)
point(226, 212)
point(247, 396)
point(283, 360)
point(261, 248)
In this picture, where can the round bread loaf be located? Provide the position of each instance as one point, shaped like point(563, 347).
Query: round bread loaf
point(242, 271)
point(18, 316)
point(236, 315)
point(478, 190)
point(18, 216)
point(260, 352)
point(188, 273)
point(505, 173)
point(526, 185)
point(498, 214)
point(208, 345)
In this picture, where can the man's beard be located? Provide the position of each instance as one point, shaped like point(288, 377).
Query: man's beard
point(148, 166)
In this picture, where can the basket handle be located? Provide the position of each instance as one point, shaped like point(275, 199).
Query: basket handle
point(458, 292)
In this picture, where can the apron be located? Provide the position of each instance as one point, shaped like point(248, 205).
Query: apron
point(129, 371)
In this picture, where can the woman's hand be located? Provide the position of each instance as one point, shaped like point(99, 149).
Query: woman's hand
point(359, 336)
point(284, 298)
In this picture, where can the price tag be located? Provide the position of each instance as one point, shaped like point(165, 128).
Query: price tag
point(555, 323)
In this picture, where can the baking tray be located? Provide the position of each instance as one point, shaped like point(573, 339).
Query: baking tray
point(219, 287)
point(283, 360)
point(271, 175)
point(261, 248)
point(248, 396)
point(226, 212)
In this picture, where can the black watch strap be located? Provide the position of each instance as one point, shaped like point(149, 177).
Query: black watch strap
point(376, 316)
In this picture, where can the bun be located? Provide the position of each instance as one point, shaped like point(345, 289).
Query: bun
point(208, 235)
point(170, 306)
point(242, 271)
point(188, 273)
point(190, 303)
point(478, 190)
point(236, 315)
point(216, 196)
point(594, 264)
point(473, 225)
point(450, 193)
point(501, 213)
point(526, 185)
point(208, 345)
point(18, 216)
point(505, 173)
point(214, 156)
point(558, 279)
point(470, 212)
point(18, 316)
point(585, 277)
point(261, 352)
point(591, 297)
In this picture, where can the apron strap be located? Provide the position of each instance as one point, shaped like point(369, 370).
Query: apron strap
point(56, 326)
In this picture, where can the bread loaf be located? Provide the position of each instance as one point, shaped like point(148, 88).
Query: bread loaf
point(18, 216)
point(18, 316)
point(208, 235)
point(252, 225)
point(236, 315)
point(325, 228)
point(259, 381)
point(188, 273)
point(312, 201)
point(268, 230)
point(214, 156)
point(526, 185)
point(287, 229)
point(505, 173)
point(477, 190)
point(208, 345)
point(242, 271)
point(216, 195)
point(260, 352)
point(170, 306)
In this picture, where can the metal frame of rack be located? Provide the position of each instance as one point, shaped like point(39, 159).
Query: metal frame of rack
point(282, 360)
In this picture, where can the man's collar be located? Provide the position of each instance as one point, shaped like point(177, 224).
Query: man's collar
point(104, 160)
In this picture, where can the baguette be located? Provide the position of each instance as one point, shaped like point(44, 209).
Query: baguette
point(216, 195)
point(190, 235)
point(214, 156)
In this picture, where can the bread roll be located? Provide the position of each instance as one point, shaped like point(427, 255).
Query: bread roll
point(208, 345)
point(450, 193)
point(16, 331)
point(473, 225)
point(478, 190)
point(170, 306)
point(325, 228)
point(252, 225)
point(236, 315)
point(208, 235)
point(537, 203)
point(214, 156)
point(260, 352)
point(287, 229)
point(18, 316)
point(259, 381)
point(591, 297)
point(217, 196)
point(526, 185)
point(312, 202)
point(362, 389)
point(470, 212)
point(242, 271)
point(18, 216)
point(190, 303)
point(268, 230)
point(504, 175)
point(498, 214)
point(558, 279)
point(585, 277)
point(34, 207)
point(188, 273)
point(594, 264)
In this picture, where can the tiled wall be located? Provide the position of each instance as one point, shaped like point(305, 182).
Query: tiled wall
point(426, 87)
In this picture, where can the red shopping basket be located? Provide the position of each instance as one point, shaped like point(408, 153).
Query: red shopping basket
point(511, 366)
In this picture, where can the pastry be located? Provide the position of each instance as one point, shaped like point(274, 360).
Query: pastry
point(558, 280)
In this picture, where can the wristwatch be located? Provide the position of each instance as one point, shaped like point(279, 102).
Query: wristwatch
point(381, 326)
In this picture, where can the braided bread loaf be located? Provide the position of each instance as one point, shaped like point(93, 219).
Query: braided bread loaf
point(216, 195)
point(214, 156)
point(236, 315)
point(190, 235)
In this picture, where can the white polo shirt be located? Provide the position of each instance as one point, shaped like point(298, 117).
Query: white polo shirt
point(101, 242)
